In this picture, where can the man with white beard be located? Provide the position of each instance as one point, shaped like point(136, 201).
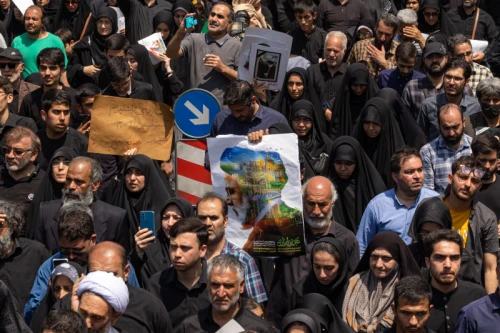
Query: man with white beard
point(318, 197)
point(82, 181)
point(225, 285)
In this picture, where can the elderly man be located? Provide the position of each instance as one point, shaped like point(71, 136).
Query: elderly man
point(82, 181)
point(408, 31)
point(102, 299)
point(488, 95)
point(19, 257)
point(225, 286)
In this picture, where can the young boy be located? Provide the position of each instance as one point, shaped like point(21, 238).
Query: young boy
point(68, 40)
point(308, 40)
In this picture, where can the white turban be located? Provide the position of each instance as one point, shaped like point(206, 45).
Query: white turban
point(113, 289)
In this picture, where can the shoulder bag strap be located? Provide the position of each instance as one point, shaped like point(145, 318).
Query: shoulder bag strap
point(475, 23)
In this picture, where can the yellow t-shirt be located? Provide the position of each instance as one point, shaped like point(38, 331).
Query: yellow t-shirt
point(460, 222)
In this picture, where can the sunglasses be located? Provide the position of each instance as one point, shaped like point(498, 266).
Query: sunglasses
point(68, 252)
point(8, 64)
point(18, 152)
point(465, 172)
point(366, 34)
point(431, 14)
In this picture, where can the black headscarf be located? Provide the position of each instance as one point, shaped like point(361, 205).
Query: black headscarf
point(145, 68)
point(364, 185)
point(323, 307)
point(347, 105)
point(153, 197)
point(75, 22)
point(305, 316)
point(428, 210)
point(412, 133)
point(393, 244)
point(188, 7)
point(390, 139)
point(97, 40)
point(164, 16)
point(444, 24)
point(283, 102)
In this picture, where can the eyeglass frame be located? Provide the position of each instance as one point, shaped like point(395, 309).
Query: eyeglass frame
point(10, 149)
point(478, 173)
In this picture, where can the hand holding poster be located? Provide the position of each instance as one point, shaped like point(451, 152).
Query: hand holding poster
point(119, 124)
point(261, 184)
point(155, 46)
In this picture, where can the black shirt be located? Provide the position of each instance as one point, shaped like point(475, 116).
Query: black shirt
point(444, 314)
point(488, 195)
point(140, 90)
point(72, 139)
point(324, 83)
point(310, 46)
point(19, 268)
point(179, 301)
point(204, 323)
point(334, 16)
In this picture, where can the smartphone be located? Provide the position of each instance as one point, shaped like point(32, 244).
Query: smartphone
point(57, 262)
point(84, 118)
point(148, 221)
point(191, 22)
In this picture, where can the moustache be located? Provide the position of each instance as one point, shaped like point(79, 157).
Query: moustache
point(214, 23)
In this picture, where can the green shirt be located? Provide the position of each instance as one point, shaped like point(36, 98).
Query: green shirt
point(30, 48)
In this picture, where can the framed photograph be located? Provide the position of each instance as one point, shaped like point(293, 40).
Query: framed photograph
point(267, 65)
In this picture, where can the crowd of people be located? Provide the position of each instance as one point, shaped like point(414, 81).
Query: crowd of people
point(396, 106)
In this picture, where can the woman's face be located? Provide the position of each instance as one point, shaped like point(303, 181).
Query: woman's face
point(295, 86)
point(179, 15)
point(135, 180)
point(413, 4)
point(164, 29)
point(325, 267)
point(381, 263)
point(170, 216)
point(431, 16)
point(104, 26)
point(59, 169)
point(358, 89)
point(132, 61)
point(71, 5)
point(62, 286)
point(344, 169)
point(42, 3)
point(364, 33)
point(372, 129)
point(301, 125)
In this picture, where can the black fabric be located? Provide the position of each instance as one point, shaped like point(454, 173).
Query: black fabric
point(283, 102)
point(164, 16)
point(145, 67)
point(314, 143)
point(380, 7)
point(10, 320)
point(305, 316)
point(488, 195)
point(101, 78)
point(352, 33)
point(97, 40)
point(347, 105)
point(156, 192)
point(366, 181)
point(429, 210)
point(48, 190)
point(444, 24)
point(140, 90)
point(393, 244)
point(412, 133)
point(308, 46)
point(75, 22)
point(50, 13)
point(13, 27)
point(390, 139)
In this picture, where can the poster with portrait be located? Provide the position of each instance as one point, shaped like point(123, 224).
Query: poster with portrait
point(155, 46)
point(261, 185)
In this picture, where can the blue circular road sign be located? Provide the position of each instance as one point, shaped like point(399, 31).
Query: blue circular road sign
point(195, 111)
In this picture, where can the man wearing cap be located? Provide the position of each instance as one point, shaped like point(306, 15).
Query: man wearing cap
point(12, 66)
point(100, 298)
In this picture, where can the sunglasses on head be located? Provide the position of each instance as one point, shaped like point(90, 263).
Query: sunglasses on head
point(467, 170)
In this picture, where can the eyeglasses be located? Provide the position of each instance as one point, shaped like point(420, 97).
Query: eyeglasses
point(385, 259)
point(18, 152)
point(423, 233)
point(465, 171)
point(465, 55)
point(203, 218)
point(56, 163)
point(67, 252)
point(363, 35)
point(8, 64)
point(431, 14)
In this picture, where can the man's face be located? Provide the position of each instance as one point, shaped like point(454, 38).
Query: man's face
point(110, 54)
point(306, 20)
point(464, 186)
point(405, 67)
point(185, 251)
point(490, 162)
point(98, 314)
point(242, 113)
point(451, 127)
point(87, 104)
point(410, 178)
point(51, 74)
point(469, 3)
point(224, 289)
point(77, 250)
point(318, 206)
point(33, 21)
point(463, 51)
point(333, 52)
point(5, 99)
point(18, 155)
point(383, 36)
point(411, 318)
point(413, 4)
point(108, 262)
point(123, 87)
point(454, 82)
point(434, 63)
point(57, 118)
point(210, 213)
point(78, 184)
point(444, 262)
point(11, 69)
point(218, 20)
point(5, 4)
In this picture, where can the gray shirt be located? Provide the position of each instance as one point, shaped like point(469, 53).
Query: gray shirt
point(196, 47)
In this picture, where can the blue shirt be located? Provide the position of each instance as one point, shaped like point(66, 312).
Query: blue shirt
point(482, 315)
point(391, 78)
point(386, 213)
point(40, 285)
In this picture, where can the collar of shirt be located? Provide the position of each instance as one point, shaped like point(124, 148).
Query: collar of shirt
point(443, 298)
point(392, 193)
point(463, 145)
point(323, 67)
point(219, 42)
point(172, 276)
point(24, 179)
point(129, 92)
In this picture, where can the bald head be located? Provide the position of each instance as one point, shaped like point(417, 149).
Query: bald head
point(318, 195)
point(450, 109)
point(109, 257)
point(320, 184)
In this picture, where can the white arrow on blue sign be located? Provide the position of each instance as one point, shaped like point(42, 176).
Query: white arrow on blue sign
point(195, 111)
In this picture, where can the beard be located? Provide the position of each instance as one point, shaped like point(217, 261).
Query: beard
point(387, 44)
point(70, 196)
point(5, 241)
point(105, 329)
point(14, 77)
point(20, 165)
point(453, 140)
point(226, 307)
point(435, 69)
point(488, 175)
point(318, 224)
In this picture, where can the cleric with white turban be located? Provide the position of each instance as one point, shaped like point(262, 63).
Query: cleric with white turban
point(111, 288)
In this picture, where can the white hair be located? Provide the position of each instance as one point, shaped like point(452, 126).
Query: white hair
point(407, 16)
point(224, 262)
point(333, 191)
point(340, 35)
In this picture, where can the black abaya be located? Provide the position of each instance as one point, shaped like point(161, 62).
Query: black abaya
point(390, 139)
point(444, 24)
point(75, 22)
point(145, 68)
point(164, 16)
